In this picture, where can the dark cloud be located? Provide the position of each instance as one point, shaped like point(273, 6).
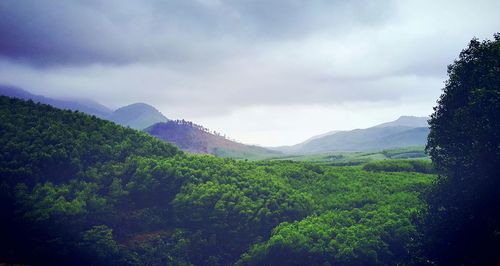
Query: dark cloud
point(119, 32)
point(292, 64)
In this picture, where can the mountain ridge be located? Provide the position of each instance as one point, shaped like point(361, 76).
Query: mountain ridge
point(405, 131)
point(141, 116)
point(407, 120)
point(137, 115)
point(194, 138)
point(82, 105)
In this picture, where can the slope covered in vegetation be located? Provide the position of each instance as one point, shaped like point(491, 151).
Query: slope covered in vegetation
point(79, 190)
point(194, 138)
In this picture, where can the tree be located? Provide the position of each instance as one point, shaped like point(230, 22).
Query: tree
point(463, 220)
point(101, 247)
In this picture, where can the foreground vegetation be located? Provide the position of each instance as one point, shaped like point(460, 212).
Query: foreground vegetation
point(79, 190)
point(462, 224)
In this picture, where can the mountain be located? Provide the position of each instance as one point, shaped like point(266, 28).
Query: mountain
point(320, 136)
point(197, 139)
point(85, 106)
point(406, 131)
point(403, 132)
point(407, 121)
point(290, 149)
point(138, 116)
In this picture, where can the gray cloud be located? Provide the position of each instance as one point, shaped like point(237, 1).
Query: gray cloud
point(208, 60)
point(50, 33)
point(209, 51)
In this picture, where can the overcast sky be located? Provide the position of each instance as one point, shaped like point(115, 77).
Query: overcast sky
point(262, 72)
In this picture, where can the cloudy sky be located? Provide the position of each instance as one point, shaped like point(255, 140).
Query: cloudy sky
point(263, 72)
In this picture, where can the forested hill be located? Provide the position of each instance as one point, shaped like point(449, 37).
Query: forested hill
point(40, 143)
point(51, 162)
point(77, 190)
point(197, 139)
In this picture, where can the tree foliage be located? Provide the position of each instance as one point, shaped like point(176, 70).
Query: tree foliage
point(77, 190)
point(464, 208)
point(421, 166)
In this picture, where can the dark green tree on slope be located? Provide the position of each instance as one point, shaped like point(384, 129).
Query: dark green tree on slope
point(463, 222)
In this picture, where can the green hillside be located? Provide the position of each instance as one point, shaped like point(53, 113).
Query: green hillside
point(77, 190)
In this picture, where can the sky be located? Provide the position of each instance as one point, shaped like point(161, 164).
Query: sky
point(262, 72)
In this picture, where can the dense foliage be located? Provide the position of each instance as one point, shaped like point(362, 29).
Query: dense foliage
point(360, 218)
point(356, 158)
point(79, 190)
point(421, 166)
point(54, 165)
point(463, 226)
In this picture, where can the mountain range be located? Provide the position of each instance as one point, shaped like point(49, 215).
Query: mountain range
point(406, 131)
point(141, 116)
point(137, 116)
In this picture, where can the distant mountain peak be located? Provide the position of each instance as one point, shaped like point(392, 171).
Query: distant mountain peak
point(137, 115)
point(410, 118)
point(407, 121)
point(140, 104)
